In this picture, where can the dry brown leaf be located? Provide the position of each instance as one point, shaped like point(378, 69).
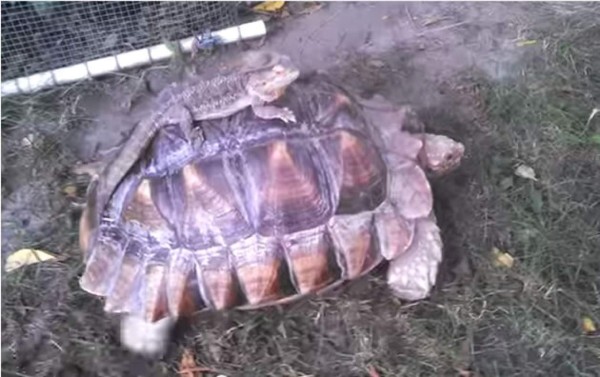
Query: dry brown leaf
point(269, 6)
point(70, 191)
point(188, 366)
point(373, 372)
point(502, 259)
point(26, 257)
point(588, 325)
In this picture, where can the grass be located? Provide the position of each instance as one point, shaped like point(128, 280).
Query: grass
point(482, 320)
point(551, 226)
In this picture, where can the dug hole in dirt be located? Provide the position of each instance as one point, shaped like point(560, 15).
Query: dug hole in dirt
point(437, 57)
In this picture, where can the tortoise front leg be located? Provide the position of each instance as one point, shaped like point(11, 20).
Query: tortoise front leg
point(150, 339)
point(412, 274)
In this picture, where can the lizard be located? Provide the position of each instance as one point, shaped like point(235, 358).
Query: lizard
point(261, 79)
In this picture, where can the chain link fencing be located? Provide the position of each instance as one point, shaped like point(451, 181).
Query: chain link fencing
point(44, 35)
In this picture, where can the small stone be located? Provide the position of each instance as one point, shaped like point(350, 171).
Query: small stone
point(377, 63)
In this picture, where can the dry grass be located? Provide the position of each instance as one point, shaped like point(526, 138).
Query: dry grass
point(482, 319)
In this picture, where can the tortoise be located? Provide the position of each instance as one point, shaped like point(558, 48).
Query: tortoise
point(263, 212)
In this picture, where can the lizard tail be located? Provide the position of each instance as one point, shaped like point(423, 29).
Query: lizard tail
point(114, 172)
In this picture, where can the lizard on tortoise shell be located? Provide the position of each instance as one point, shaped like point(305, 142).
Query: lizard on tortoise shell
point(263, 212)
point(262, 78)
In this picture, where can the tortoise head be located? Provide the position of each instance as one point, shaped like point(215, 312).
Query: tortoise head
point(441, 154)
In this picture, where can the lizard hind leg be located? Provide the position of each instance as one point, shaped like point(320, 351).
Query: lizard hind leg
point(181, 116)
point(174, 142)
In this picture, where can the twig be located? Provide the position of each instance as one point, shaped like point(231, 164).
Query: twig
point(442, 28)
point(410, 18)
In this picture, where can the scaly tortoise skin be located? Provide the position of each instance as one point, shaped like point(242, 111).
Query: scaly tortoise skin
point(266, 212)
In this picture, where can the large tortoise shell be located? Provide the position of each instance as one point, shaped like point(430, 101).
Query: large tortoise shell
point(259, 213)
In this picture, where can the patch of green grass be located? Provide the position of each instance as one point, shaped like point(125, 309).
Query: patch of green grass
point(551, 226)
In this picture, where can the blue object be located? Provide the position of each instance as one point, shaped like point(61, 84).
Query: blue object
point(207, 40)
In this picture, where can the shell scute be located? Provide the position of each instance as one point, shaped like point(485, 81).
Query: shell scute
point(410, 191)
point(395, 233)
point(105, 258)
point(359, 170)
point(258, 263)
point(213, 215)
point(287, 192)
point(168, 195)
point(308, 255)
point(356, 250)
point(182, 284)
point(216, 281)
point(125, 295)
point(155, 299)
point(141, 208)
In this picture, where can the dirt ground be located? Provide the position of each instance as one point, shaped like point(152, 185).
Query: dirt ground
point(517, 83)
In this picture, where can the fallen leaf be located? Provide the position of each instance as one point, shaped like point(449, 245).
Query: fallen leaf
point(269, 6)
point(525, 171)
point(588, 325)
point(188, 366)
point(28, 140)
point(526, 42)
point(373, 372)
point(70, 191)
point(593, 114)
point(502, 259)
point(26, 257)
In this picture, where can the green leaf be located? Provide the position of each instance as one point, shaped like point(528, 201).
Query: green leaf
point(595, 139)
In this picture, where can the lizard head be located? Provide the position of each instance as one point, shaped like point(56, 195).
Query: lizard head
point(269, 82)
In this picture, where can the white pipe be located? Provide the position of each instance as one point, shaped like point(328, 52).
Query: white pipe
point(102, 66)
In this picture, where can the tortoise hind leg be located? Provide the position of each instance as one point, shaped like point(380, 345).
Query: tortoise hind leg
point(412, 274)
point(150, 339)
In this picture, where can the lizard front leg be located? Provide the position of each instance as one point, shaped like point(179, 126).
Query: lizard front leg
point(274, 112)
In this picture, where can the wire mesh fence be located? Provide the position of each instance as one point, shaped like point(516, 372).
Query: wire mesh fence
point(43, 35)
